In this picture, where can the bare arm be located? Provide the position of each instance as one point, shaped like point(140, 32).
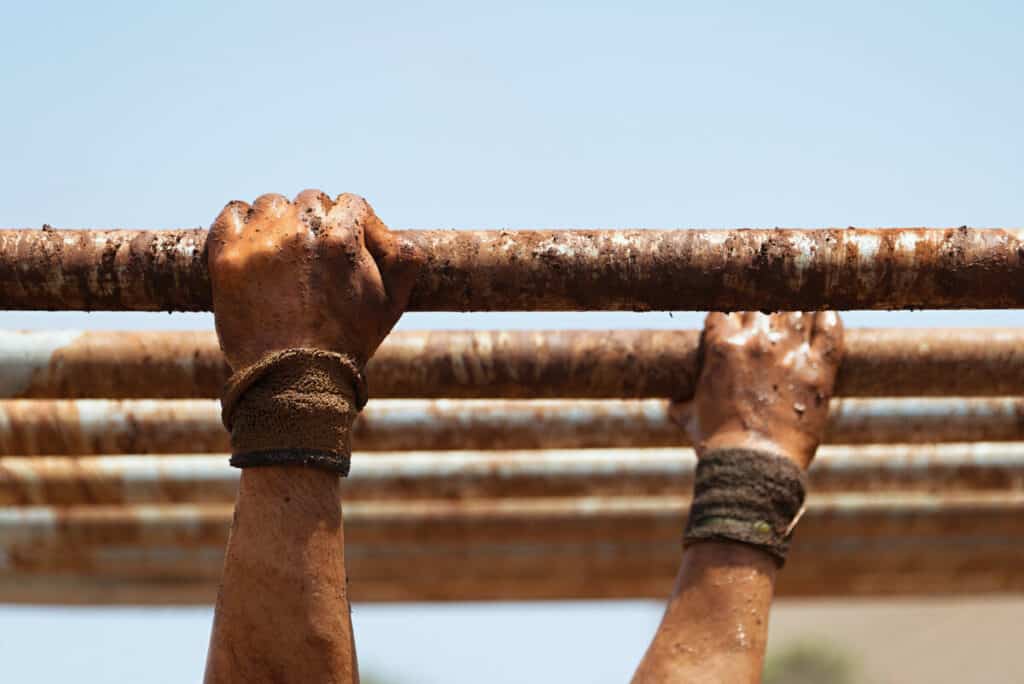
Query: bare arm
point(764, 386)
point(283, 612)
point(315, 274)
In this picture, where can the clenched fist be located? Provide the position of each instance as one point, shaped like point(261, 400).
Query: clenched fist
point(315, 273)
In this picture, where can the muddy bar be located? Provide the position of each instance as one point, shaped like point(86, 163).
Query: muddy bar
point(562, 270)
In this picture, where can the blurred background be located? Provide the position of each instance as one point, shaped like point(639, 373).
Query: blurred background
point(545, 115)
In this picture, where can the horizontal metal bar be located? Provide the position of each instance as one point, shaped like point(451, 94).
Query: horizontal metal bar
point(420, 522)
point(507, 364)
point(614, 571)
point(562, 270)
point(588, 547)
point(81, 427)
point(472, 475)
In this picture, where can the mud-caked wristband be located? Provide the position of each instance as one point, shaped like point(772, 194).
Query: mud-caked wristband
point(746, 496)
point(294, 407)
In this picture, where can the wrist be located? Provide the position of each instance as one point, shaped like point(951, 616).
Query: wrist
point(791, 448)
point(285, 480)
point(294, 407)
point(725, 553)
point(276, 497)
point(746, 496)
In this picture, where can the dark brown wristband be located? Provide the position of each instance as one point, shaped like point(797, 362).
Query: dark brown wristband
point(294, 407)
point(322, 460)
point(746, 496)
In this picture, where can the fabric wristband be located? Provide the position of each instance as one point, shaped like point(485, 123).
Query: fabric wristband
point(746, 496)
point(294, 407)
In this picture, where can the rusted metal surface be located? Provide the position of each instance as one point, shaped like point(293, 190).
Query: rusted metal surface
point(589, 547)
point(111, 269)
point(612, 571)
point(562, 270)
point(31, 427)
point(507, 364)
point(869, 518)
point(471, 476)
point(81, 427)
point(117, 364)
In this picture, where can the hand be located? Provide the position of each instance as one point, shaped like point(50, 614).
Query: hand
point(765, 383)
point(310, 273)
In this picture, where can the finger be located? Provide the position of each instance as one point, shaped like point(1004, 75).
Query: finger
point(313, 206)
point(228, 225)
point(759, 322)
point(719, 323)
point(799, 324)
point(271, 205)
point(717, 326)
point(353, 212)
point(679, 412)
point(827, 333)
point(399, 260)
point(807, 319)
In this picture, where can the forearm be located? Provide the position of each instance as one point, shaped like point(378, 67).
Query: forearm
point(716, 625)
point(283, 612)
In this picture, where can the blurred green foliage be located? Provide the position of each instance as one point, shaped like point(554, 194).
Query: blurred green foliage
point(810, 662)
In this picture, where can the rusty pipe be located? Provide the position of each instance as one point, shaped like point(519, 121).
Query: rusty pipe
point(80, 427)
point(559, 270)
point(495, 475)
point(621, 570)
point(602, 548)
point(509, 364)
point(875, 518)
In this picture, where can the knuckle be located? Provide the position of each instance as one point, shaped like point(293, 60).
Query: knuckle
point(229, 263)
point(271, 201)
point(354, 209)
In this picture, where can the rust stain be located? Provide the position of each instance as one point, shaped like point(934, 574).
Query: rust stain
point(532, 364)
point(188, 426)
point(840, 543)
point(631, 270)
point(944, 473)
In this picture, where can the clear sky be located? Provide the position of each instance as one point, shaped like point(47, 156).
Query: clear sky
point(641, 114)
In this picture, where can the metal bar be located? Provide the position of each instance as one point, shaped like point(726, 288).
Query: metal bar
point(507, 364)
point(81, 427)
point(28, 531)
point(496, 475)
point(614, 571)
point(588, 547)
point(562, 269)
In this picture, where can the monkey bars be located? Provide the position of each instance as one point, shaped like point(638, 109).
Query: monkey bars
point(526, 464)
point(631, 270)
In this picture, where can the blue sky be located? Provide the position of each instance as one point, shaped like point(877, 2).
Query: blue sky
point(643, 114)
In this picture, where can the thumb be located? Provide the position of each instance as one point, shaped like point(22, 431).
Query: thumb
point(398, 260)
point(680, 412)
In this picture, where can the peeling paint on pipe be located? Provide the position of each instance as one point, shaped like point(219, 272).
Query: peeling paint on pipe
point(81, 427)
point(469, 477)
point(561, 270)
point(507, 364)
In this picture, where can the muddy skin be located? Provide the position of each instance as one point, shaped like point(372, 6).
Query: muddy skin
point(765, 385)
point(766, 382)
point(313, 273)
